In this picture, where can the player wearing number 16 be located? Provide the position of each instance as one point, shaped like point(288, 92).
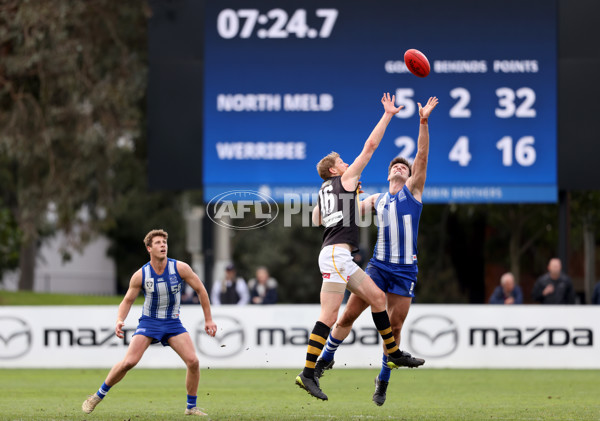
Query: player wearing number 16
point(394, 263)
point(337, 210)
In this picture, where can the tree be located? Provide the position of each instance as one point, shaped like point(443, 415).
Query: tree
point(72, 76)
point(585, 218)
point(522, 238)
point(289, 252)
point(135, 211)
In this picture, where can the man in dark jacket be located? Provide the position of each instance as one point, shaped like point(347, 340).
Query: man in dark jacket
point(554, 287)
point(507, 292)
point(263, 288)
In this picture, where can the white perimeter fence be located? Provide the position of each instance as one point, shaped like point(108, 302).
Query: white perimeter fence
point(447, 336)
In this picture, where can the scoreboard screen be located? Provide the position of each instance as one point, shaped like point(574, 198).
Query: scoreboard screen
point(285, 83)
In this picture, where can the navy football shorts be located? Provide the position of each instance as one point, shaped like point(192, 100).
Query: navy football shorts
point(396, 282)
point(160, 330)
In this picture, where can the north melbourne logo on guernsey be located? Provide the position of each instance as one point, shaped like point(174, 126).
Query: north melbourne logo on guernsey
point(242, 209)
point(15, 337)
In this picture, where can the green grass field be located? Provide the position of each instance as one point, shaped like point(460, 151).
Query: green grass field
point(424, 394)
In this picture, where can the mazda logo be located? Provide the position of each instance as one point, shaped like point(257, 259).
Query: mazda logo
point(229, 340)
point(15, 337)
point(433, 336)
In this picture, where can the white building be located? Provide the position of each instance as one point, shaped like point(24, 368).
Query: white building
point(90, 272)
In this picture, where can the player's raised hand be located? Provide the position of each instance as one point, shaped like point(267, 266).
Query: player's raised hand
point(389, 104)
point(428, 108)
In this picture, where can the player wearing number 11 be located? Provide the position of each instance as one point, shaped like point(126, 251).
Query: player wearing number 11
point(394, 263)
point(337, 211)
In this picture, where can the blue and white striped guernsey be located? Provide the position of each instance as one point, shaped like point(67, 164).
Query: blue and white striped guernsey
point(398, 224)
point(162, 292)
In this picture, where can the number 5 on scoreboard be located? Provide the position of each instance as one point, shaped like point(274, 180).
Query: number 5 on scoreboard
point(460, 152)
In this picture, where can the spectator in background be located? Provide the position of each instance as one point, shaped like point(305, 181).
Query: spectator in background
point(507, 292)
point(263, 288)
point(596, 294)
point(554, 287)
point(230, 290)
point(189, 296)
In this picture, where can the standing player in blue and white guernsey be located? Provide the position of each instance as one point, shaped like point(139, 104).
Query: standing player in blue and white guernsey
point(162, 280)
point(337, 210)
point(393, 266)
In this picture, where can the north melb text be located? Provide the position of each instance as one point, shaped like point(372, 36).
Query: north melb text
point(306, 102)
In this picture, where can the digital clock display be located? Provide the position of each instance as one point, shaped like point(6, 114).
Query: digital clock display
point(274, 23)
point(285, 83)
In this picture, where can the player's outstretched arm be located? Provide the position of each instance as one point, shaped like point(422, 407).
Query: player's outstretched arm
point(189, 276)
point(352, 174)
point(416, 182)
point(135, 286)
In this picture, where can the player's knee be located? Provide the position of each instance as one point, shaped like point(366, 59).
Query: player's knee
point(328, 317)
point(193, 363)
point(129, 363)
point(378, 300)
point(328, 320)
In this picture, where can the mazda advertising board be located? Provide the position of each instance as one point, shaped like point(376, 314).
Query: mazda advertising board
point(447, 336)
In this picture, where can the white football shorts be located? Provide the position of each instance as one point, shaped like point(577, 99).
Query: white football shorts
point(336, 264)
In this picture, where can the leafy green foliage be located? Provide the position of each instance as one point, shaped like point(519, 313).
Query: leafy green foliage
point(584, 207)
point(290, 253)
point(72, 77)
point(10, 240)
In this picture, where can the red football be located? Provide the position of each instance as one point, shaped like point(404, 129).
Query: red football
point(416, 62)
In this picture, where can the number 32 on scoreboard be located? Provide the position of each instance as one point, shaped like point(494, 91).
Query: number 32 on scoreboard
point(523, 152)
